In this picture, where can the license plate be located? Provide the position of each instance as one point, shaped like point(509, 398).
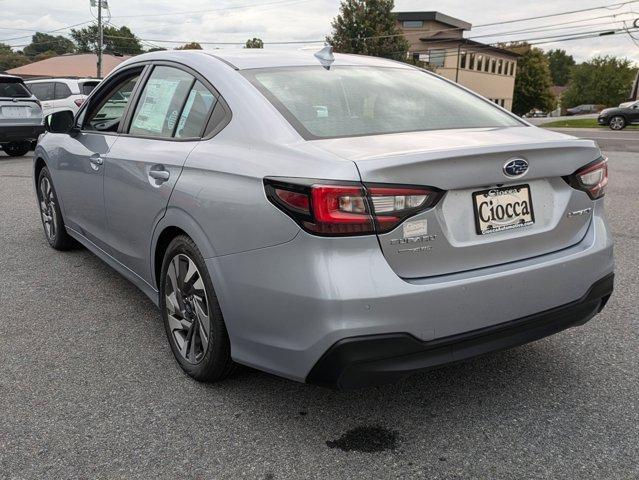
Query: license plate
point(15, 112)
point(506, 208)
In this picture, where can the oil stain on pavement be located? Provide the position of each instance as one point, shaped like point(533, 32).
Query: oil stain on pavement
point(366, 440)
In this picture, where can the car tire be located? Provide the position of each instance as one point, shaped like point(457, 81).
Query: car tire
point(617, 123)
point(191, 313)
point(16, 149)
point(50, 214)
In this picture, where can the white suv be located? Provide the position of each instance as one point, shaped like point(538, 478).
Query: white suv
point(61, 94)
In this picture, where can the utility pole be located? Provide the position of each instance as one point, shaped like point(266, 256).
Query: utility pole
point(100, 38)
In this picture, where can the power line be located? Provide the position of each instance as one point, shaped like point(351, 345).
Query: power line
point(47, 31)
point(614, 6)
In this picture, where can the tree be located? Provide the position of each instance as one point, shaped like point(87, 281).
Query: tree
point(45, 55)
point(560, 65)
point(254, 43)
point(533, 81)
point(359, 20)
point(116, 40)
point(10, 59)
point(190, 46)
point(43, 42)
point(601, 80)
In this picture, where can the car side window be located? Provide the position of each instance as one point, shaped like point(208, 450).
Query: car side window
point(196, 112)
point(107, 115)
point(161, 103)
point(42, 91)
point(61, 91)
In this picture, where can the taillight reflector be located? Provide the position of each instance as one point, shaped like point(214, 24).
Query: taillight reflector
point(592, 179)
point(349, 209)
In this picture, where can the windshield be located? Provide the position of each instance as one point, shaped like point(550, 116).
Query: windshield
point(13, 90)
point(353, 101)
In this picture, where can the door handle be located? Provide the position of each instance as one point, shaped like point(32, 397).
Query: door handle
point(96, 161)
point(159, 175)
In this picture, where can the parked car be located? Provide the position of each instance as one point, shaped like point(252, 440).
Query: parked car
point(620, 117)
point(535, 113)
point(20, 116)
point(584, 109)
point(62, 93)
point(341, 220)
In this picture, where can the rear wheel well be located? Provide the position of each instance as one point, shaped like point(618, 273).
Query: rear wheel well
point(165, 238)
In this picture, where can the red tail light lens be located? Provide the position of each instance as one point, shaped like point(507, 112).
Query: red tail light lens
point(348, 209)
point(592, 179)
point(78, 101)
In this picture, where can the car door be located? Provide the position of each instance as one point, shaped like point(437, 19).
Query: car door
point(146, 161)
point(45, 92)
point(633, 113)
point(79, 162)
point(61, 92)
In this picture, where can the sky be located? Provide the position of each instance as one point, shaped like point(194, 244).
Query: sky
point(304, 20)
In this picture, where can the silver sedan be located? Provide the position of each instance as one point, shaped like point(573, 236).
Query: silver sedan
point(336, 219)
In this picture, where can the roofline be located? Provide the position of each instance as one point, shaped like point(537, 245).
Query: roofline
point(467, 41)
point(434, 16)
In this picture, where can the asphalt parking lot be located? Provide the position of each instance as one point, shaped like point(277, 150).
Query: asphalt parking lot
point(89, 388)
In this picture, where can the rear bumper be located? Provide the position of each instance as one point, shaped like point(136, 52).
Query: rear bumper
point(285, 306)
point(378, 359)
point(19, 133)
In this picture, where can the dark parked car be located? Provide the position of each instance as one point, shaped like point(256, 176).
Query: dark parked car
point(20, 116)
point(618, 118)
point(584, 109)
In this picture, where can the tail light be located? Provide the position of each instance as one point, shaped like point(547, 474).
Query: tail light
point(344, 208)
point(592, 179)
point(78, 101)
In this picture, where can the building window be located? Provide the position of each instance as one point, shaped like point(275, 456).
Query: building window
point(512, 68)
point(500, 66)
point(412, 24)
point(479, 65)
point(462, 60)
point(486, 64)
point(471, 62)
point(436, 58)
point(493, 65)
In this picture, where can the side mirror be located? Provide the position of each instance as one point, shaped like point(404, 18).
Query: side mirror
point(60, 122)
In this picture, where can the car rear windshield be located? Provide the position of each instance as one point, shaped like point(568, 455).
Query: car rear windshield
point(354, 101)
point(13, 90)
point(87, 87)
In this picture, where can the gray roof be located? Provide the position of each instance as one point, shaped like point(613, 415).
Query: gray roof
point(435, 17)
point(247, 58)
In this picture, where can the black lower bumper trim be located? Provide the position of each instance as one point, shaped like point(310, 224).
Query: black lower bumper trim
point(378, 359)
point(20, 133)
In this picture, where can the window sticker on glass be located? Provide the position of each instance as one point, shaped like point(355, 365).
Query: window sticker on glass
point(155, 105)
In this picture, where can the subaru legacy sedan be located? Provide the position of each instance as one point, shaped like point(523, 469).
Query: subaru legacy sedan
point(336, 219)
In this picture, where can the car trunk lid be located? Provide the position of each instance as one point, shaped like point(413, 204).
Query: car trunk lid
point(447, 239)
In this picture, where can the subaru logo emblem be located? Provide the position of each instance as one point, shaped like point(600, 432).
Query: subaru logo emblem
point(516, 167)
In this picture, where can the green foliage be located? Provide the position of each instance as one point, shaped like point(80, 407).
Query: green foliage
point(360, 19)
point(533, 82)
point(43, 42)
point(190, 46)
point(601, 80)
point(45, 55)
point(560, 65)
point(116, 40)
point(10, 59)
point(254, 43)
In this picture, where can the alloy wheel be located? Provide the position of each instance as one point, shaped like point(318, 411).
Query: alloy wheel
point(187, 308)
point(617, 123)
point(47, 208)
